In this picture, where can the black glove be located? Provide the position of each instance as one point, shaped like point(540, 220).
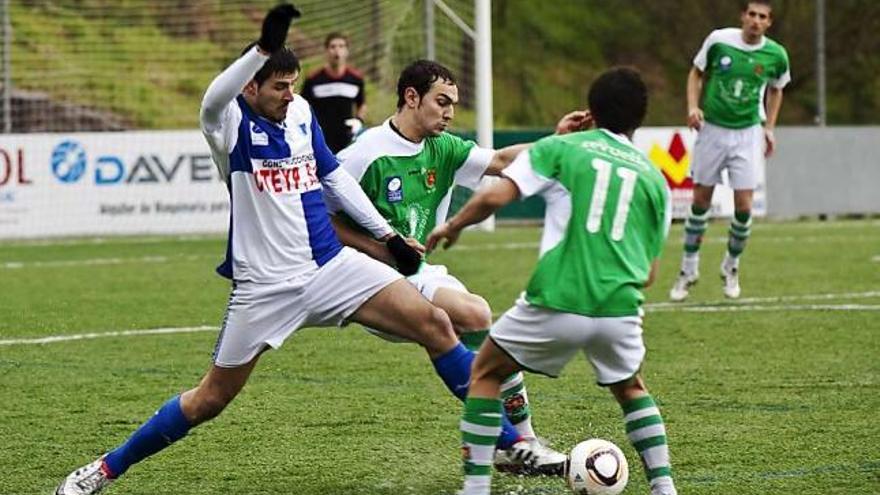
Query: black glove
point(275, 27)
point(407, 259)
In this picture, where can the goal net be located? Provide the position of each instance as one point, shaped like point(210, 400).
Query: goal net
point(72, 70)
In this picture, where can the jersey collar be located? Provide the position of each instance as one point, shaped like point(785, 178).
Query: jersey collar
point(401, 140)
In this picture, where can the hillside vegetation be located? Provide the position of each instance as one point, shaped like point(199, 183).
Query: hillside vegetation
point(149, 62)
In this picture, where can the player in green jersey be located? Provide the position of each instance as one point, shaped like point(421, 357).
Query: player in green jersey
point(733, 70)
point(606, 221)
point(408, 166)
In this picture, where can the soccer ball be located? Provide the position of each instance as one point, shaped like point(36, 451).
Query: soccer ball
point(597, 467)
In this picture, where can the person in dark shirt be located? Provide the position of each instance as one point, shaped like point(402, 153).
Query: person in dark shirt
point(336, 93)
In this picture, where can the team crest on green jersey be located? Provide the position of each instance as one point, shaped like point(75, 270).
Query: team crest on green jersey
point(431, 177)
point(394, 189)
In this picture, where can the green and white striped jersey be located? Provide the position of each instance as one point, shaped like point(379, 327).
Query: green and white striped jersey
point(606, 221)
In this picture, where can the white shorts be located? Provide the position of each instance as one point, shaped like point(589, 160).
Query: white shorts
point(427, 281)
point(544, 341)
point(739, 151)
point(260, 315)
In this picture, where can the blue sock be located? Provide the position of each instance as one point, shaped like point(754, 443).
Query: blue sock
point(167, 426)
point(454, 369)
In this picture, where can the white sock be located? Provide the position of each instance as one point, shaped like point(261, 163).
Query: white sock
point(476, 485)
point(730, 263)
point(690, 263)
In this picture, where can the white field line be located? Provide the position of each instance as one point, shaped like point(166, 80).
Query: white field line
point(14, 265)
point(774, 299)
point(113, 240)
point(778, 307)
point(651, 308)
point(509, 246)
point(97, 335)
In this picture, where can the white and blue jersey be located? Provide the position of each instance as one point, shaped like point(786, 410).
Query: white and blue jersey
point(279, 227)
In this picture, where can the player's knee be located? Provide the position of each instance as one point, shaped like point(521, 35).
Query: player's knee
point(475, 314)
point(436, 330)
point(438, 322)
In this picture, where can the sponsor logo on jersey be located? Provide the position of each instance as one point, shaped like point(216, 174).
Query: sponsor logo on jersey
point(603, 148)
point(287, 175)
point(258, 136)
point(725, 63)
point(394, 189)
point(431, 177)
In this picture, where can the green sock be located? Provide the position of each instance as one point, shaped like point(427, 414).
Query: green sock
point(473, 340)
point(647, 433)
point(480, 428)
point(740, 230)
point(694, 227)
point(516, 404)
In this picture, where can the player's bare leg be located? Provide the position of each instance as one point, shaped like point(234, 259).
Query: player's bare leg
point(646, 432)
point(216, 391)
point(170, 423)
point(740, 230)
point(472, 317)
point(470, 313)
point(401, 310)
point(695, 226)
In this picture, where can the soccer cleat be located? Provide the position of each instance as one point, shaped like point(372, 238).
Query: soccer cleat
point(87, 480)
point(682, 285)
point(730, 281)
point(530, 457)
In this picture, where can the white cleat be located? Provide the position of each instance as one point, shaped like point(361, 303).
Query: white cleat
point(730, 281)
point(530, 457)
point(682, 285)
point(87, 480)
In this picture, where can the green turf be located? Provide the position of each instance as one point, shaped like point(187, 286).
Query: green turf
point(778, 398)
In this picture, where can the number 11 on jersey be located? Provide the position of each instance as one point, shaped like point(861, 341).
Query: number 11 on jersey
point(600, 195)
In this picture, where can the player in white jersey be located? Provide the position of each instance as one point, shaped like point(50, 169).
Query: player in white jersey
point(288, 268)
point(409, 167)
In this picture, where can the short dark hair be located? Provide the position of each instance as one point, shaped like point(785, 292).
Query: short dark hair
point(283, 61)
point(766, 3)
point(335, 35)
point(618, 100)
point(420, 75)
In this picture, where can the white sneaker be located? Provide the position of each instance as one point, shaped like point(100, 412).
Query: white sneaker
point(730, 281)
point(532, 457)
point(682, 285)
point(86, 480)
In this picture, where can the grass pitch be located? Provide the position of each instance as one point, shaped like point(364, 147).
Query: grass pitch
point(776, 393)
